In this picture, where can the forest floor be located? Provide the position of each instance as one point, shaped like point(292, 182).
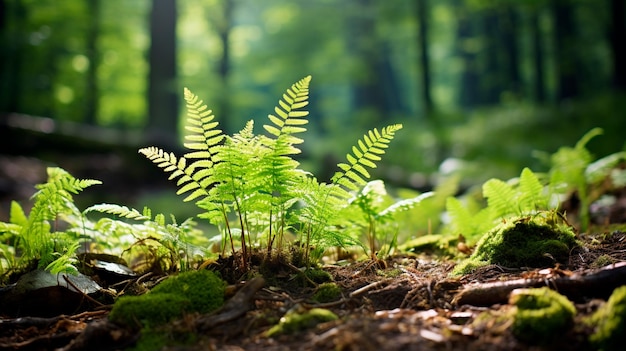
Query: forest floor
point(409, 302)
point(412, 304)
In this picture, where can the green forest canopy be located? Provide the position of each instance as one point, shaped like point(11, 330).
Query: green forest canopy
point(472, 79)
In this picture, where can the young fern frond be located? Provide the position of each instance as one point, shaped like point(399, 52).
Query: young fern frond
point(531, 196)
point(203, 139)
point(120, 211)
point(353, 173)
point(52, 199)
point(500, 197)
point(290, 118)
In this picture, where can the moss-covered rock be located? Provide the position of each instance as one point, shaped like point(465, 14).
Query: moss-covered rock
point(193, 291)
point(540, 314)
point(610, 323)
point(531, 241)
point(300, 319)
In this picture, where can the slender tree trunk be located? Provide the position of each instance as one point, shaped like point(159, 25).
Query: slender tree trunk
point(93, 33)
point(617, 37)
point(509, 38)
point(162, 89)
point(422, 21)
point(224, 27)
point(11, 61)
point(469, 95)
point(568, 67)
point(539, 85)
point(492, 74)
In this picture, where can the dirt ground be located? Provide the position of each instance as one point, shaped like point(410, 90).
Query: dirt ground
point(409, 305)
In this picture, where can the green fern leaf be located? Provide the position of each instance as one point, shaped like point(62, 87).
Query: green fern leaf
point(530, 191)
point(500, 197)
point(353, 173)
point(404, 205)
point(289, 118)
point(189, 180)
point(202, 135)
point(117, 210)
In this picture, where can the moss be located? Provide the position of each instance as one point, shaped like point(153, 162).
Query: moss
point(327, 292)
point(610, 322)
point(602, 261)
point(297, 320)
point(540, 314)
point(532, 241)
point(318, 276)
point(193, 291)
point(203, 288)
point(149, 309)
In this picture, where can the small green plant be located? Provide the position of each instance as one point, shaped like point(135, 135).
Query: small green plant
point(167, 247)
point(370, 209)
point(572, 169)
point(518, 197)
point(38, 237)
point(250, 185)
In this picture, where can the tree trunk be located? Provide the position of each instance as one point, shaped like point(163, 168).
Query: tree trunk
point(162, 89)
point(93, 33)
point(469, 94)
point(422, 21)
point(617, 37)
point(224, 27)
point(539, 85)
point(509, 38)
point(568, 67)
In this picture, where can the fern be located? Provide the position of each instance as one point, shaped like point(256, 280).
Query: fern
point(368, 150)
point(256, 179)
point(34, 236)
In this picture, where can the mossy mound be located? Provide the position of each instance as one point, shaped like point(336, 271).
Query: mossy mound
point(541, 314)
point(533, 241)
point(193, 291)
point(610, 322)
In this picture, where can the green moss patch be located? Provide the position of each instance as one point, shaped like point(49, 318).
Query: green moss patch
point(327, 292)
point(540, 314)
point(532, 241)
point(193, 291)
point(295, 321)
point(610, 322)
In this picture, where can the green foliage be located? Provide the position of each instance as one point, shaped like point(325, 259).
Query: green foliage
point(35, 238)
point(371, 208)
point(254, 181)
point(167, 247)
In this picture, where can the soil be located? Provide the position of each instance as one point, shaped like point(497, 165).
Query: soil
point(407, 302)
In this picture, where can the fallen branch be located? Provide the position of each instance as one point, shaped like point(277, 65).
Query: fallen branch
point(578, 286)
point(234, 308)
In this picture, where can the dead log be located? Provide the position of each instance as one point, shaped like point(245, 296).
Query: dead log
point(598, 283)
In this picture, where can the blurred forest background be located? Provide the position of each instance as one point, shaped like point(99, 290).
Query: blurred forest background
point(478, 84)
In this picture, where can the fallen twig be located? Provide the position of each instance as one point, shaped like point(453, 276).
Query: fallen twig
point(578, 286)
